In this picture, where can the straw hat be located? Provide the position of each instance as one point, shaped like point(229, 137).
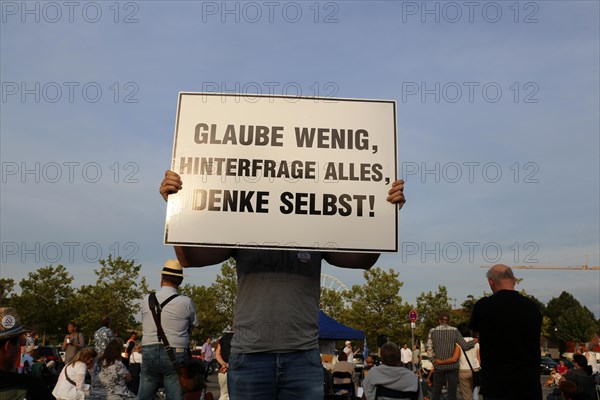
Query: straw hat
point(172, 267)
point(10, 323)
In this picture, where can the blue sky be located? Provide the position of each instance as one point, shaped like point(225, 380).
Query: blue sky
point(498, 125)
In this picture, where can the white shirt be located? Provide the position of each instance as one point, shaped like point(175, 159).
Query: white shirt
point(64, 389)
point(176, 318)
point(472, 354)
point(592, 361)
point(405, 355)
point(135, 358)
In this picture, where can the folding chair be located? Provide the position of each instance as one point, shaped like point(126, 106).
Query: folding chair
point(396, 394)
point(343, 385)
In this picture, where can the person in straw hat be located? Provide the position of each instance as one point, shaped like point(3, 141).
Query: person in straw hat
point(12, 384)
point(177, 317)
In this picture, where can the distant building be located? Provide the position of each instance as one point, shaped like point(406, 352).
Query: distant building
point(549, 348)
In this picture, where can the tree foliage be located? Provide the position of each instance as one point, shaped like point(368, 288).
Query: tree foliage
point(116, 293)
point(211, 321)
point(332, 302)
point(429, 306)
point(46, 299)
point(225, 288)
point(7, 286)
point(376, 306)
point(569, 320)
point(215, 304)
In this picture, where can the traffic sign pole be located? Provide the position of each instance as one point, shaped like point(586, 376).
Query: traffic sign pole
point(412, 315)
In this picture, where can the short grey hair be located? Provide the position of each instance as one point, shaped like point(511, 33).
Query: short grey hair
point(496, 275)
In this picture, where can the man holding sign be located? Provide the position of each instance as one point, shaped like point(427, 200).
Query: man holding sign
point(275, 352)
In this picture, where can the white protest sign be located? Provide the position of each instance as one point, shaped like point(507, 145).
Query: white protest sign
point(284, 172)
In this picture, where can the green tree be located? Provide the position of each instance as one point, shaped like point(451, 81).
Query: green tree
point(116, 293)
point(574, 325)
point(570, 321)
point(225, 291)
point(547, 327)
point(7, 286)
point(557, 305)
point(212, 321)
point(469, 304)
point(46, 297)
point(332, 302)
point(376, 306)
point(429, 306)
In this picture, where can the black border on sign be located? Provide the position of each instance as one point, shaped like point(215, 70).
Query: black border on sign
point(323, 99)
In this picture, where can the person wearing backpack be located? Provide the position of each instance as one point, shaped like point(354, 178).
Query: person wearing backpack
point(177, 317)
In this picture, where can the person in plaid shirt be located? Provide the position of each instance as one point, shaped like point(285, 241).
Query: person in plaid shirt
point(440, 346)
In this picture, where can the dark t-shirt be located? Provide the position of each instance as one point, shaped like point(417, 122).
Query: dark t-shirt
point(277, 308)
point(509, 327)
point(15, 386)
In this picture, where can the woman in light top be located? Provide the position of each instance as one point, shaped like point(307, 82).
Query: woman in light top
point(71, 381)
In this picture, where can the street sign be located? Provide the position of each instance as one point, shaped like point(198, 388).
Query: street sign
point(412, 315)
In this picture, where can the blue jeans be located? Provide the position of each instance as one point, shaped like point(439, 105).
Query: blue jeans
point(275, 376)
point(157, 372)
point(206, 367)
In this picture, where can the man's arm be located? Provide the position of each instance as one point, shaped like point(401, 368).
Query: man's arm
point(451, 360)
point(193, 316)
point(219, 358)
point(352, 260)
point(463, 343)
point(80, 340)
point(191, 256)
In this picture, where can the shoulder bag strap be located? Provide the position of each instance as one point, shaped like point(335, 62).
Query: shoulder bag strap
point(467, 357)
point(67, 376)
point(164, 303)
point(156, 309)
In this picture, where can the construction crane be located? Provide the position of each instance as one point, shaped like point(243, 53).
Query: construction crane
point(584, 267)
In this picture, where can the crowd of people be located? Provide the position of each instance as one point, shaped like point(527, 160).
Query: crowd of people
point(110, 369)
point(272, 350)
point(577, 383)
point(105, 371)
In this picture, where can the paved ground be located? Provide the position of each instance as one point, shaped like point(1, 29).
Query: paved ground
point(213, 386)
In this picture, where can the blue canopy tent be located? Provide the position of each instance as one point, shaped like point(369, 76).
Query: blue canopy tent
point(330, 329)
